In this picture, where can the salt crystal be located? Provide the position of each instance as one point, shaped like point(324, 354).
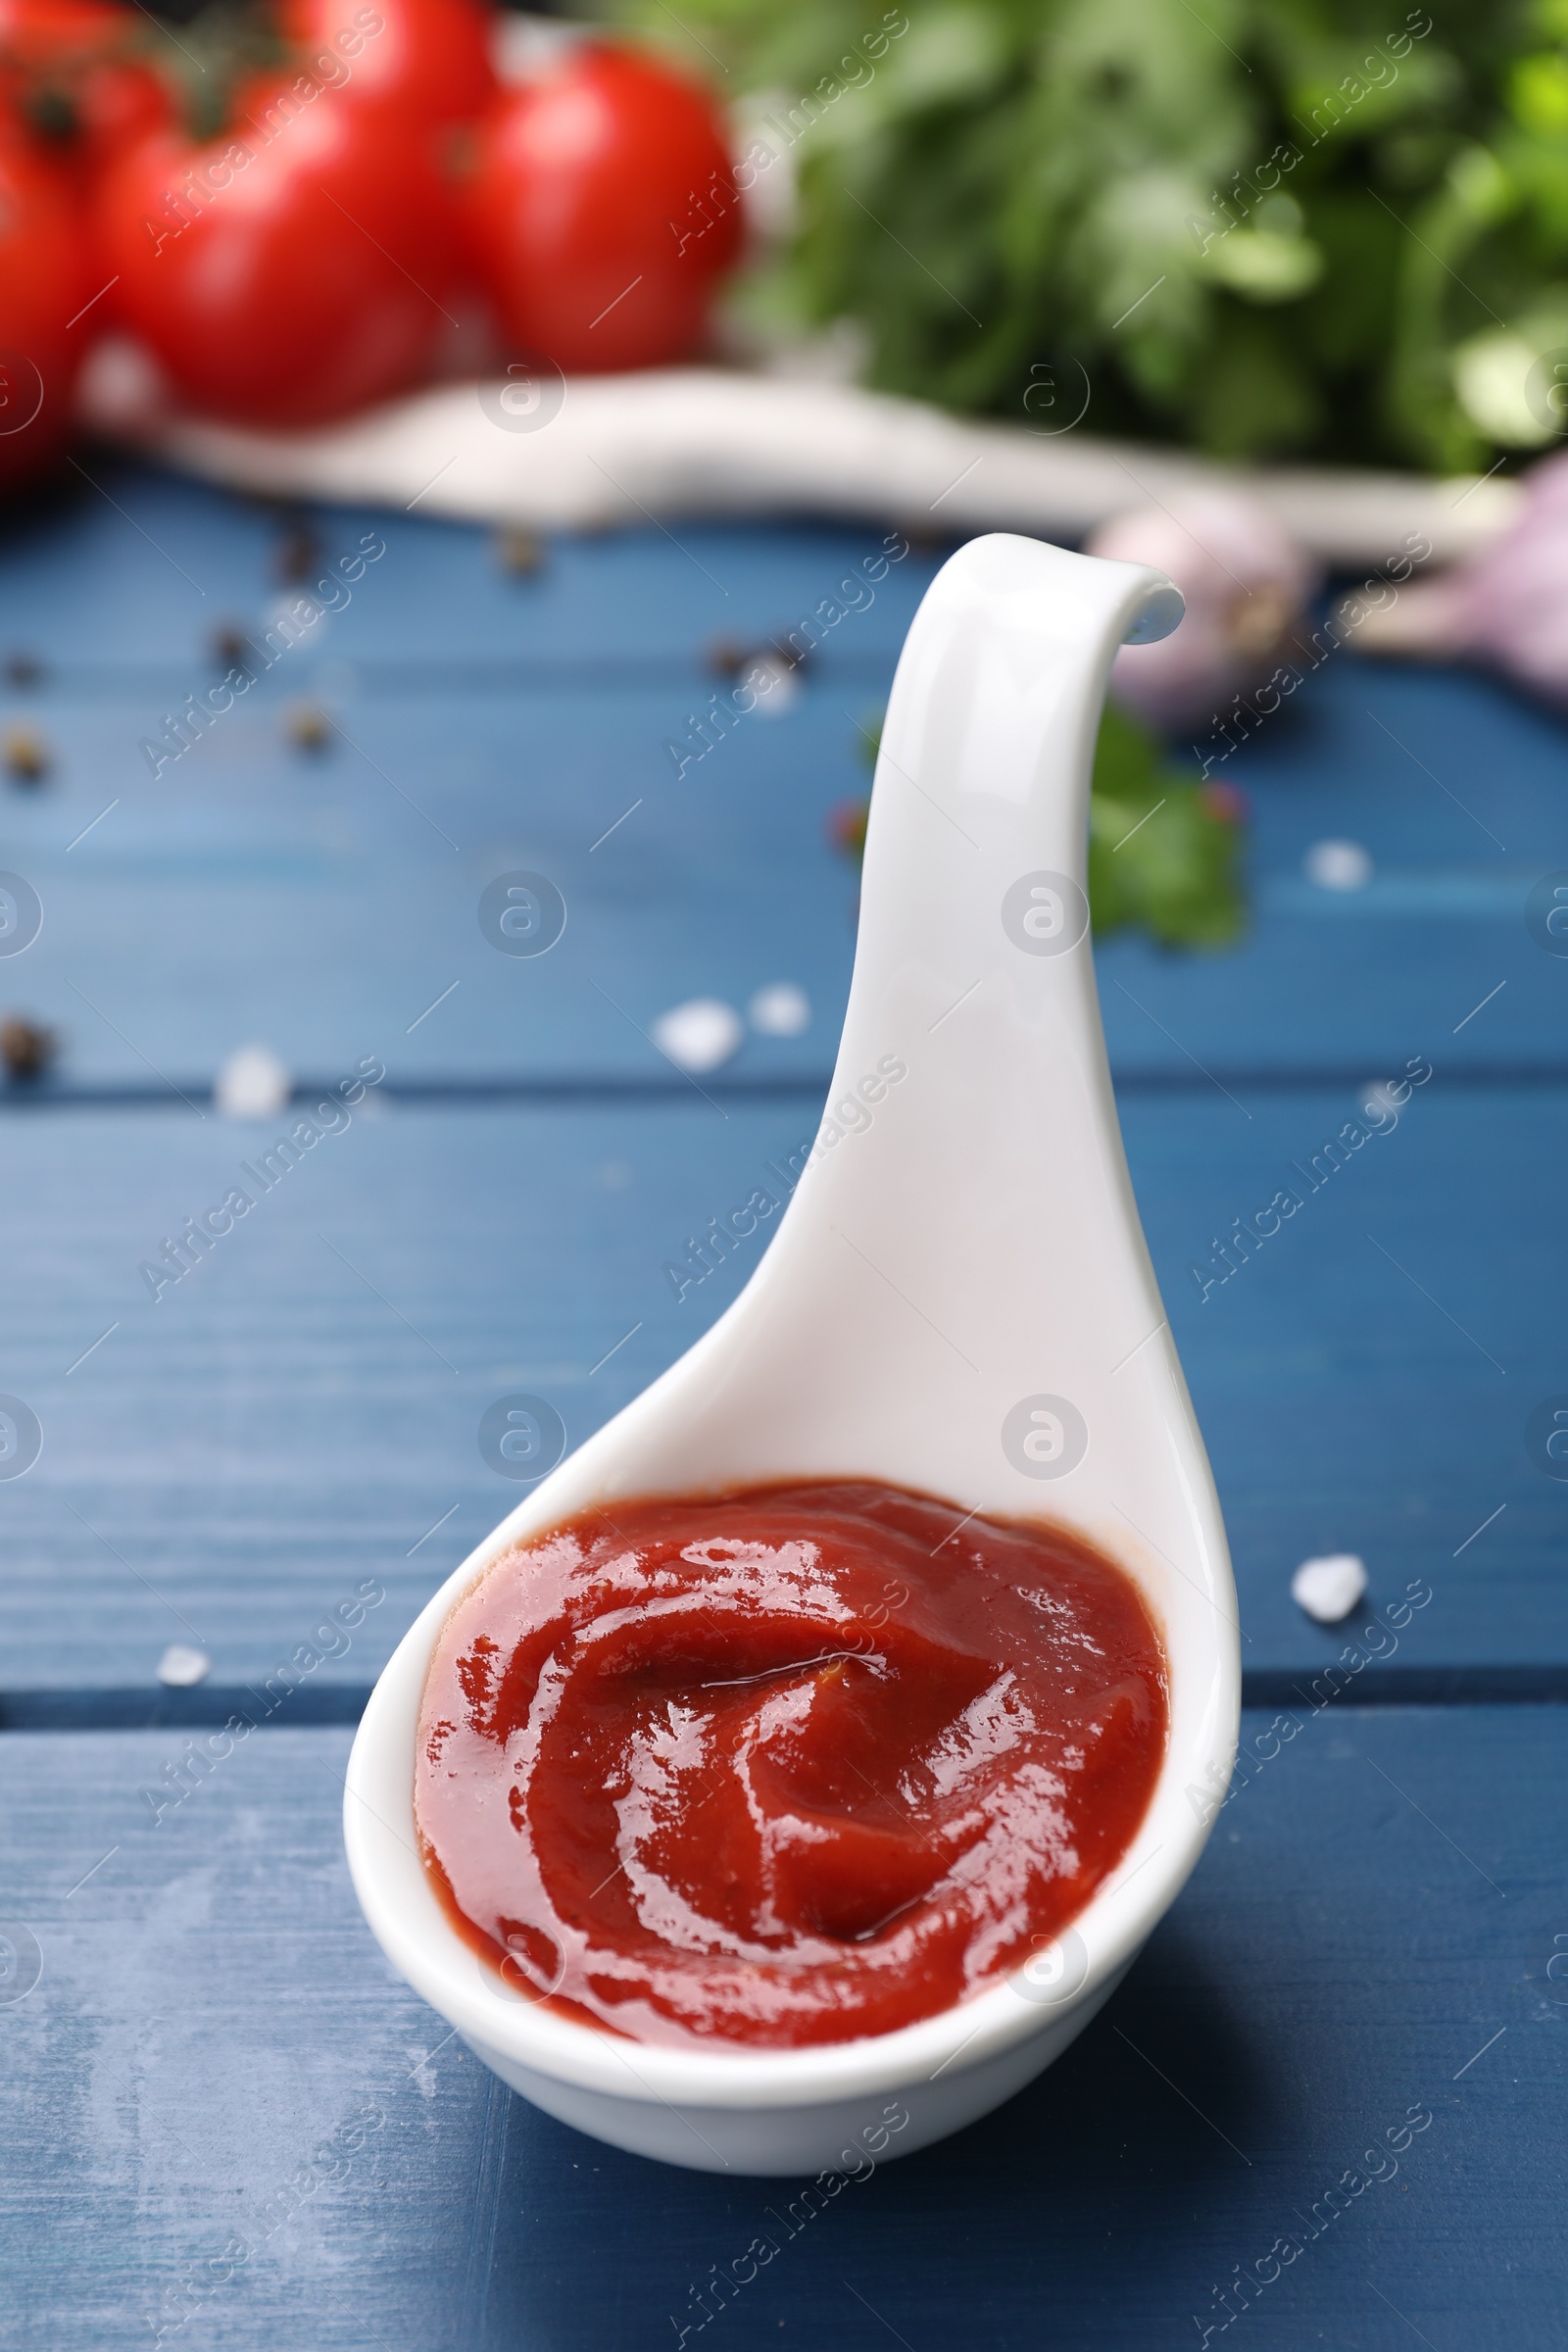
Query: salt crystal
point(252, 1084)
point(183, 1665)
point(698, 1034)
point(1338, 866)
point(780, 1011)
point(1381, 1103)
point(1329, 1588)
point(774, 683)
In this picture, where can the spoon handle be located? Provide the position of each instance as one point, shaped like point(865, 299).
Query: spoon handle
point(965, 1238)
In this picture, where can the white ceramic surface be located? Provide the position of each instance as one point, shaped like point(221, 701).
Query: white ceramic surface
point(957, 1299)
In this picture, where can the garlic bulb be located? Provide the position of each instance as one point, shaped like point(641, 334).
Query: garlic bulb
point(1246, 583)
point(1507, 605)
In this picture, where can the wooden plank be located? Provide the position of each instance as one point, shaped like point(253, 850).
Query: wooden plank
point(1453, 784)
point(326, 905)
point(209, 2032)
point(301, 1412)
point(323, 903)
point(1367, 1944)
point(1366, 1381)
point(135, 570)
point(304, 1407)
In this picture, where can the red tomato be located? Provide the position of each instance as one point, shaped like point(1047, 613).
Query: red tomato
point(293, 269)
point(603, 208)
point(39, 34)
point(43, 284)
point(432, 55)
point(70, 71)
point(116, 106)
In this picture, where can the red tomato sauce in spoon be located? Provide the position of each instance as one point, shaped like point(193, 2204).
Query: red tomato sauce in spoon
point(788, 1765)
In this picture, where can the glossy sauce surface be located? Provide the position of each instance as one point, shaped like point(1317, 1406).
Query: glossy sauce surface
point(784, 1766)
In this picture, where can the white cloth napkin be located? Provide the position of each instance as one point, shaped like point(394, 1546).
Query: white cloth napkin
point(594, 450)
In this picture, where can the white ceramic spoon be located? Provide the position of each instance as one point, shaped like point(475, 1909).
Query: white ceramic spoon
point(958, 1300)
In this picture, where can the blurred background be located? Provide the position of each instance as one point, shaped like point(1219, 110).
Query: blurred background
point(1170, 282)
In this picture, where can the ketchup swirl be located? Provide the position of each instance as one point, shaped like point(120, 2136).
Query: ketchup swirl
point(788, 1765)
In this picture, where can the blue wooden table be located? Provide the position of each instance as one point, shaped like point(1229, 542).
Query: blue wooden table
point(1328, 2106)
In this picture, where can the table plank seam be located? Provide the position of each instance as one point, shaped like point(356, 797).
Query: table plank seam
point(113, 1708)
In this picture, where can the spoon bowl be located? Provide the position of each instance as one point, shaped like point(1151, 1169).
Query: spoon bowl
point(958, 1300)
